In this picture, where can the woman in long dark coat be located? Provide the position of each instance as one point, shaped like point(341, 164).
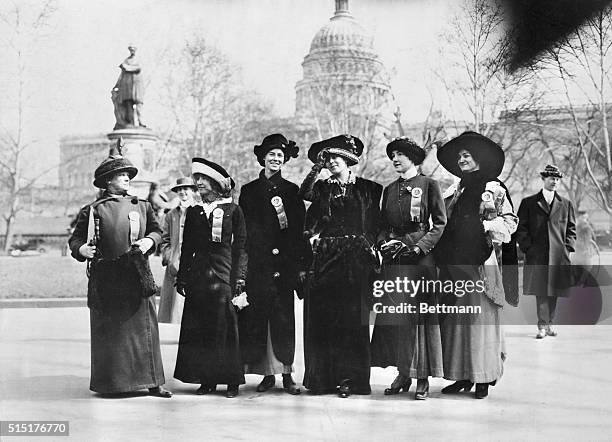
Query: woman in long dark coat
point(278, 255)
point(211, 270)
point(411, 342)
point(480, 219)
point(113, 233)
point(342, 222)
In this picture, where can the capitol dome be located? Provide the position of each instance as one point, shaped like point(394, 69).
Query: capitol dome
point(342, 31)
point(342, 76)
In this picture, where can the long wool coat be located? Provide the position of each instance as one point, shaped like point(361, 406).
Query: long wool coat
point(336, 332)
point(125, 348)
point(275, 257)
point(209, 349)
point(170, 302)
point(411, 342)
point(546, 236)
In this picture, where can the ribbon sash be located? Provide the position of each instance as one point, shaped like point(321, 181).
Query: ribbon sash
point(415, 204)
point(134, 218)
point(217, 224)
point(277, 203)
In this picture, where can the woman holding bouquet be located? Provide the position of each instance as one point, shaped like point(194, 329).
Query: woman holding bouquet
point(212, 269)
point(342, 223)
point(480, 219)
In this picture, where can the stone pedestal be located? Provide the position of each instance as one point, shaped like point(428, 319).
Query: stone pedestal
point(139, 146)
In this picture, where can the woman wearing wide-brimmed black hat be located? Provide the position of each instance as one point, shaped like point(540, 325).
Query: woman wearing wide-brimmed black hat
point(211, 272)
point(278, 256)
point(414, 217)
point(115, 234)
point(342, 222)
point(480, 219)
point(170, 302)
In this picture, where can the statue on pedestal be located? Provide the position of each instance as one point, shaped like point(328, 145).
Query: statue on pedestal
point(128, 93)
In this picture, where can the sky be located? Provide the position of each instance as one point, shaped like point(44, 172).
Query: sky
point(75, 66)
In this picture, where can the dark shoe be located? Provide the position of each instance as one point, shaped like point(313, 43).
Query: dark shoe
point(289, 385)
point(160, 392)
point(541, 334)
point(266, 383)
point(400, 383)
point(232, 391)
point(482, 391)
point(457, 387)
point(550, 331)
point(344, 390)
point(422, 389)
point(206, 388)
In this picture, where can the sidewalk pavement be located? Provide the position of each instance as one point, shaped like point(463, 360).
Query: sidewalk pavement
point(552, 389)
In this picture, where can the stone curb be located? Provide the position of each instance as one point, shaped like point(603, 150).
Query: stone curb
point(46, 302)
point(43, 302)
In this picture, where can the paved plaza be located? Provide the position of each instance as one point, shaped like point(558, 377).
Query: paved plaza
point(552, 389)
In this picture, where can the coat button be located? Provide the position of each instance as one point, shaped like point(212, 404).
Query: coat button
point(275, 251)
point(276, 275)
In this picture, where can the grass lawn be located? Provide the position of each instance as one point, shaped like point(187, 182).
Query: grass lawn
point(50, 276)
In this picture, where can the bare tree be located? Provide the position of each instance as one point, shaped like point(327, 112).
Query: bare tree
point(583, 64)
point(483, 94)
point(22, 26)
point(209, 109)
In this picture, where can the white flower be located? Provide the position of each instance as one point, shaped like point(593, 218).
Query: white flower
point(240, 301)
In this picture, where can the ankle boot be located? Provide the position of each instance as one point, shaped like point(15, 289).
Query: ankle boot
point(482, 391)
point(400, 383)
point(422, 389)
point(266, 383)
point(289, 385)
point(464, 385)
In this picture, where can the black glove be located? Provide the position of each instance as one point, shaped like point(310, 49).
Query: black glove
point(180, 286)
point(412, 252)
point(239, 286)
point(322, 159)
point(391, 249)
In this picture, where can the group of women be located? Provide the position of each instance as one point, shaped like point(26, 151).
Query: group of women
point(270, 246)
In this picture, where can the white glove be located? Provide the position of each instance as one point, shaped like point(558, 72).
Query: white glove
point(144, 244)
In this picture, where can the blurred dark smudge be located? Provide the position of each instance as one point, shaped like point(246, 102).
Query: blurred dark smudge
point(539, 25)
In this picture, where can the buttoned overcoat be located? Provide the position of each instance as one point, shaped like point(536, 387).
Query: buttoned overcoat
point(546, 235)
point(125, 347)
point(276, 256)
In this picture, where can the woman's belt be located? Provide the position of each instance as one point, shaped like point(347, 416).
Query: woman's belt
point(339, 239)
point(416, 227)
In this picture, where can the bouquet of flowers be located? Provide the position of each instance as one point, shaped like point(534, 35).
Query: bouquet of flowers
point(490, 208)
point(240, 301)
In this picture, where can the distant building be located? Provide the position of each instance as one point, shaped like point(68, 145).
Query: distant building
point(79, 156)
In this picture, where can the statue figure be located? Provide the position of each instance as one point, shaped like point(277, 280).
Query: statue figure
point(128, 93)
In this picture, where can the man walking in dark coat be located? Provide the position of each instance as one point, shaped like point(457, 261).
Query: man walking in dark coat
point(278, 257)
point(546, 234)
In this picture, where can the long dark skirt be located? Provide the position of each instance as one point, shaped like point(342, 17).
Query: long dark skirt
point(125, 352)
point(208, 345)
point(409, 341)
point(336, 333)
